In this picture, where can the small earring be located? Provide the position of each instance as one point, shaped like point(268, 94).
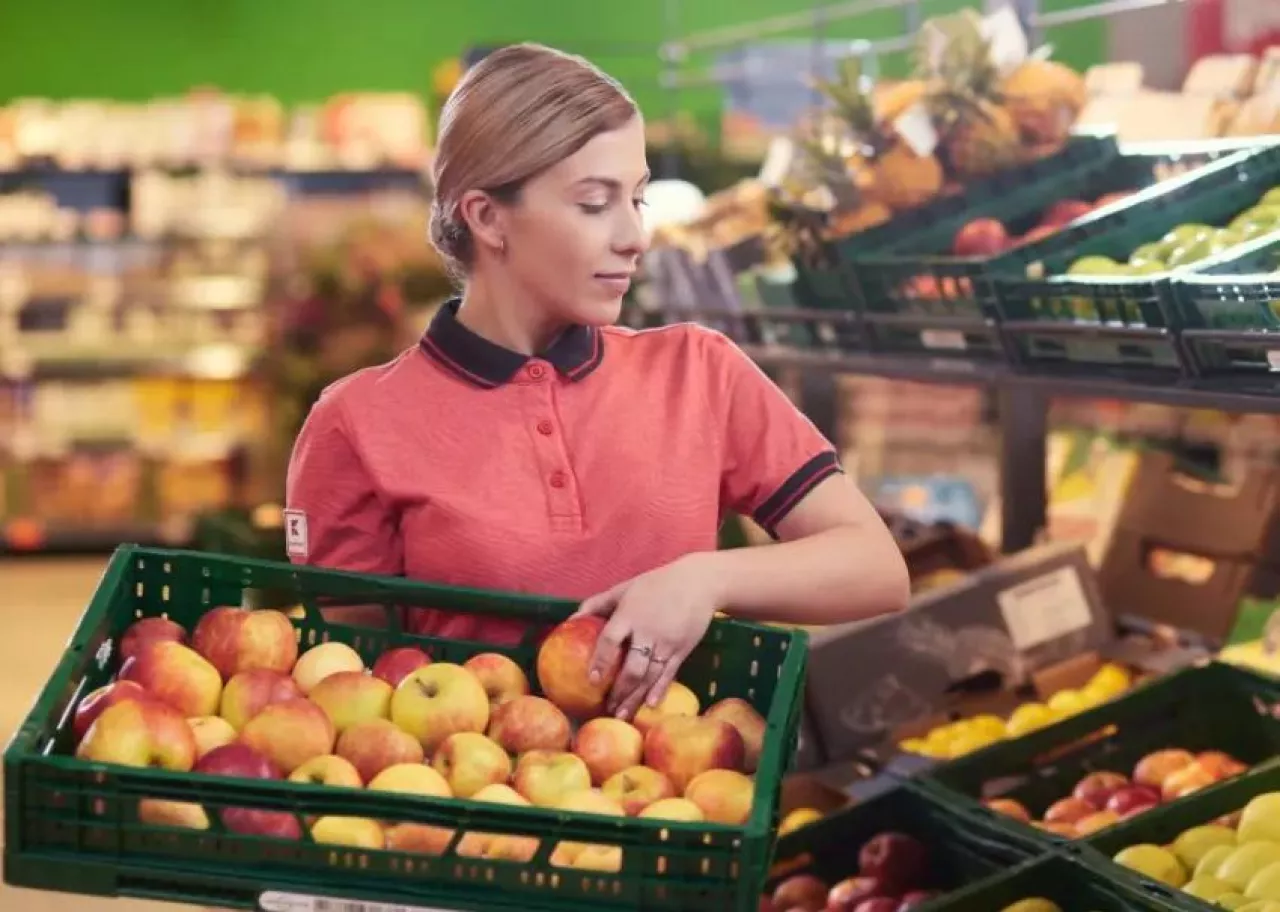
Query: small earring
point(502, 246)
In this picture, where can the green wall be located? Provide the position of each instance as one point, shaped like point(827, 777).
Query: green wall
point(303, 50)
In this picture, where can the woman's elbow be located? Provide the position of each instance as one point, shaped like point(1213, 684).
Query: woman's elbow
point(896, 584)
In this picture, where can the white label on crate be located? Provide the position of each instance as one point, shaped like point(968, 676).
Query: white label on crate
point(1045, 608)
point(943, 338)
point(296, 540)
point(915, 126)
point(1273, 358)
point(274, 901)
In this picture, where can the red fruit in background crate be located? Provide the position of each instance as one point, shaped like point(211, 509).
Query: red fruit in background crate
point(394, 665)
point(148, 630)
point(1065, 211)
point(849, 893)
point(96, 701)
point(878, 904)
point(981, 237)
point(1038, 233)
point(1097, 788)
point(896, 858)
point(802, 891)
point(916, 898)
point(1133, 799)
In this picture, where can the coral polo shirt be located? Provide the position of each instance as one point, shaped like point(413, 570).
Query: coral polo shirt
point(610, 454)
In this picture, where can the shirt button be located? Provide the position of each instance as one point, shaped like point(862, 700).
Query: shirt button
point(546, 428)
point(537, 371)
point(558, 480)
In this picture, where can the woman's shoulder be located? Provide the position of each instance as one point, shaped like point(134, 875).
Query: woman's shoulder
point(683, 338)
point(352, 393)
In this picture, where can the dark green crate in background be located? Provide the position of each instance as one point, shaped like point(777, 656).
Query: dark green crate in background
point(1216, 707)
point(74, 826)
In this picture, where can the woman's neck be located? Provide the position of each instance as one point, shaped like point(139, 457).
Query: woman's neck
point(505, 319)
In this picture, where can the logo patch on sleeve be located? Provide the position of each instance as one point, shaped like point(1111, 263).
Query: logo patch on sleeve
point(296, 541)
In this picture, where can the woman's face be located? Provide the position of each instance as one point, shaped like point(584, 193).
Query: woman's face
point(575, 236)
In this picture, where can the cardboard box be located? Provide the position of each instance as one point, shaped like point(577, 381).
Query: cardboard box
point(981, 638)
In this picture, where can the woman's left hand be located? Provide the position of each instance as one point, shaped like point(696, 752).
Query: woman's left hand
point(657, 618)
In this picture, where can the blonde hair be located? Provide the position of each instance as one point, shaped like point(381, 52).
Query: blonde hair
point(518, 112)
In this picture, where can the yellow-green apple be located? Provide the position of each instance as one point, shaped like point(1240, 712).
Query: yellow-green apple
point(250, 692)
point(290, 733)
point(530, 723)
point(244, 762)
point(502, 679)
point(237, 639)
point(684, 746)
point(177, 675)
point(150, 629)
point(749, 723)
point(375, 745)
point(351, 697)
point(358, 832)
point(637, 787)
point(564, 667)
point(679, 700)
point(411, 779)
point(724, 796)
point(477, 845)
point(545, 777)
point(438, 700)
point(673, 809)
point(163, 812)
point(328, 769)
point(140, 733)
point(469, 761)
point(97, 700)
point(586, 855)
point(210, 732)
point(608, 746)
point(320, 661)
point(394, 665)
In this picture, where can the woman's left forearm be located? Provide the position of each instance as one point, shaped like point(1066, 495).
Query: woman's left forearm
point(842, 574)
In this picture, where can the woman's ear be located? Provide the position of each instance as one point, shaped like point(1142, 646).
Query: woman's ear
point(484, 217)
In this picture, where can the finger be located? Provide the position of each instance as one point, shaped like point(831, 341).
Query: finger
point(630, 677)
point(608, 645)
point(602, 603)
point(666, 677)
point(631, 704)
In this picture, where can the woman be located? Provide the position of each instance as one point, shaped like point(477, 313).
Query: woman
point(529, 445)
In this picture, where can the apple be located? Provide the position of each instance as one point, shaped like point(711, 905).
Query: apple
point(358, 832)
point(237, 639)
point(1157, 766)
point(915, 898)
point(606, 859)
point(1220, 765)
point(290, 733)
point(1009, 808)
point(845, 895)
point(328, 769)
point(469, 761)
point(375, 745)
point(528, 723)
point(144, 733)
point(1108, 198)
point(210, 732)
point(418, 838)
point(681, 747)
point(502, 679)
point(1066, 211)
point(150, 630)
point(1038, 233)
point(1095, 822)
point(475, 844)
point(163, 812)
point(320, 661)
point(411, 779)
point(509, 847)
point(250, 692)
point(801, 891)
point(97, 700)
point(545, 777)
point(723, 795)
point(1189, 779)
point(351, 697)
point(177, 675)
point(878, 904)
point(1061, 827)
point(587, 856)
point(256, 822)
point(1097, 788)
point(638, 787)
point(564, 665)
point(1068, 810)
point(436, 701)
point(749, 723)
point(679, 700)
point(672, 809)
point(242, 761)
point(608, 746)
point(394, 665)
point(982, 237)
point(898, 859)
point(1133, 799)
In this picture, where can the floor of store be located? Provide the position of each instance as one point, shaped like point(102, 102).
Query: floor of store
point(51, 594)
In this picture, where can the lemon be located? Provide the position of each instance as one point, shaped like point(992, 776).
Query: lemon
point(1067, 702)
point(987, 724)
point(914, 746)
point(1028, 717)
point(798, 818)
point(1111, 679)
point(969, 741)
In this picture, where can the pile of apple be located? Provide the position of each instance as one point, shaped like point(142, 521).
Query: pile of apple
point(1233, 863)
point(987, 237)
point(1103, 798)
point(237, 699)
point(892, 871)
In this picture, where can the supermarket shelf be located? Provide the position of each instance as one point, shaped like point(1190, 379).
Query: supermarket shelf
point(32, 537)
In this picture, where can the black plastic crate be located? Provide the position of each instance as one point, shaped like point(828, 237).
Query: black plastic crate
point(939, 339)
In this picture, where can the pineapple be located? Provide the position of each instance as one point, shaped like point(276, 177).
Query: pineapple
point(1046, 99)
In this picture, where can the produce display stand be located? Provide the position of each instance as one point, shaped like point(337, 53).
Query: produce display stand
point(74, 826)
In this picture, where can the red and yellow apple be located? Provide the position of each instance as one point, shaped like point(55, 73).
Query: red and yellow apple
point(679, 700)
point(545, 777)
point(438, 700)
point(352, 697)
point(1068, 810)
point(1189, 779)
point(244, 762)
point(481, 845)
point(290, 733)
point(177, 675)
point(564, 667)
point(150, 630)
point(1009, 808)
point(1097, 788)
point(723, 796)
point(418, 838)
point(1220, 765)
point(502, 679)
point(394, 665)
point(608, 746)
point(749, 723)
point(210, 732)
point(145, 733)
point(237, 639)
point(638, 787)
point(469, 761)
point(250, 692)
point(587, 856)
point(163, 812)
point(88, 709)
point(328, 769)
point(1159, 765)
point(322, 660)
point(411, 779)
point(672, 809)
point(528, 723)
point(1095, 822)
point(375, 745)
point(681, 747)
point(357, 832)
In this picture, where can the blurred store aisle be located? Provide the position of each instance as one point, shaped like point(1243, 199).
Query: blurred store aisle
point(40, 601)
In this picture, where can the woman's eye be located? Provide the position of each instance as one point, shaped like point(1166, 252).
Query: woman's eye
point(593, 208)
point(639, 203)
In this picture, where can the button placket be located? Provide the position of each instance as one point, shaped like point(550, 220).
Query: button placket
point(554, 466)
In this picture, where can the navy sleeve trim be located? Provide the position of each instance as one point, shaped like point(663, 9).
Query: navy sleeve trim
point(794, 489)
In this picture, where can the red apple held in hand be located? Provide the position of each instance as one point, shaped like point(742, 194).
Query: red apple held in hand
point(394, 665)
point(1097, 788)
point(982, 237)
point(502, 679)
point(898, 859)
point(290, 733)
point(377, 745)
point(1157, 766)
point(150, 630)
point(848, 893)
point(530, 723)
point(142, 733)
point(96, 701)
point(1066, 211)
point(177, 675)
point(1068, 810)
point(1133, 799)
point(237, 639)
point(250, 692)
point(802, 891)
point(564, 665)
point(681, 747)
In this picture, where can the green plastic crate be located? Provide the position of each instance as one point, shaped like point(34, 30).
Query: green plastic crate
point(963, 849)
point(1211, 707)
point(73, 826)
point(1069, 884)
